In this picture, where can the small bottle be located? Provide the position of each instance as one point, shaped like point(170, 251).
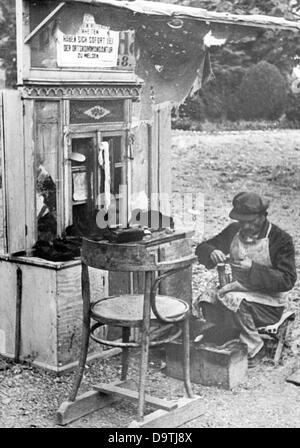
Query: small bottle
point(221, 274)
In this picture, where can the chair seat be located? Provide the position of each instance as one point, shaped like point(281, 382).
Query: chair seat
point(127, 310)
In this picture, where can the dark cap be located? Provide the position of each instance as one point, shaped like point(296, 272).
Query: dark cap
point(248, 206)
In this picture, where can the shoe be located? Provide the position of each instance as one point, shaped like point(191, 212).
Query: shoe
point(253, 362)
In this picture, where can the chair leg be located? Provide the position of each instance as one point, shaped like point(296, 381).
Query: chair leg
point(125, 353)
point(85, 331)
point(82, 361)
point(186, 357)
point(145, 342)
point(143, 375)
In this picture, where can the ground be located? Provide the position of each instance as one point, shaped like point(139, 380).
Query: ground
point(217, 166)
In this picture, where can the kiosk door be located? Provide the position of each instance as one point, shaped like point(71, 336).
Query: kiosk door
point(98, 177)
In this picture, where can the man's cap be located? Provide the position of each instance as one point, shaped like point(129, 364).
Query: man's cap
point(248, 206)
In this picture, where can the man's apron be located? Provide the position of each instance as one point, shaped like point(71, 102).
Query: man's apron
point(259, 253)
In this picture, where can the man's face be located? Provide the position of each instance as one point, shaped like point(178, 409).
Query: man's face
point(251, 229)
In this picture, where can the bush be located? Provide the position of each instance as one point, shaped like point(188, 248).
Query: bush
point(263, 92)
point(192, 108)
point(183, 124)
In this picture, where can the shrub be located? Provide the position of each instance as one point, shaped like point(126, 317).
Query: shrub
point(181, 123)
point(263, 92)
point(192, 108)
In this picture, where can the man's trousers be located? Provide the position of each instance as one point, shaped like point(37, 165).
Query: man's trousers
point(246, 320)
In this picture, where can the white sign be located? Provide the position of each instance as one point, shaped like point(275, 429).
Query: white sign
point(92, 46)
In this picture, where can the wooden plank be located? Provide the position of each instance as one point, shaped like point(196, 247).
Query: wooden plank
point(80, 77)
point(69, 311)
point(164, 157)
point(113, 129)
point(67, 166)
point(8, 309)
point(187, 410)
point(139, 163)
point(39, 315)
point(60, 207)
point(153, 164)
point(46, 264)
point(44, 22)
point(85, 404)
point(133, 395)
point(13, 171)
point(48, 146)
point(29, 171)
point(23, 51)
point(3, 222)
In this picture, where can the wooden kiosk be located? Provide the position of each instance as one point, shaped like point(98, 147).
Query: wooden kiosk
point(78, 87)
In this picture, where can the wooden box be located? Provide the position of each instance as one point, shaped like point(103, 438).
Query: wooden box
point(210, 366)
point(50, 310)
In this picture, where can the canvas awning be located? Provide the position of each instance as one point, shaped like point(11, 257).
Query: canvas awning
point(172, 52)
point(170, 10)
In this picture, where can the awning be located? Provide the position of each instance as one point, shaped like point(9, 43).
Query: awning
point(187, 12)
point(172, 52)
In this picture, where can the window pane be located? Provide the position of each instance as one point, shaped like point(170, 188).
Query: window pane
point(115, 149)
point(117, 180)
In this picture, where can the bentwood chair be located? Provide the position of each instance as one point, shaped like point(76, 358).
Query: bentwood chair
point(153, 314)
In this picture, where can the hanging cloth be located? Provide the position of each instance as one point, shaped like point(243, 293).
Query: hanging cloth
point(103, 160)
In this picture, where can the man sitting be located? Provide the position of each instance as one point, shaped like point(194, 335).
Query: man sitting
point(262, 258)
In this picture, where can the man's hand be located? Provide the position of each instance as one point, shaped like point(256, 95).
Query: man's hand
point(218, 256)
point(243, 265)
point(233, 286)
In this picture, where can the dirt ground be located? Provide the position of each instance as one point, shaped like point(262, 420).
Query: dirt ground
point(217, 166)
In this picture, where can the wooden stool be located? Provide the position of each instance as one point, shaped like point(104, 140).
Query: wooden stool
point(128, 311)
point(278, 331)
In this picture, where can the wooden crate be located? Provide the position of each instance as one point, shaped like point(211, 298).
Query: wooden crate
point(51, 310)
point(210, 366)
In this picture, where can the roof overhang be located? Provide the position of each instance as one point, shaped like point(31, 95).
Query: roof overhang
point(187, 12)
point(171, 60)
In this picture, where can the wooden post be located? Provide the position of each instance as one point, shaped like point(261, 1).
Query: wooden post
point(30, 174)
point(13, 172)
point(23, 29)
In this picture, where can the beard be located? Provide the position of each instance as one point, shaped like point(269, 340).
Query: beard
point(250, 234)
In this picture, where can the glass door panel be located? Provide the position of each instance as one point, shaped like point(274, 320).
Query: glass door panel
point(98, 179)
point(83, 178)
